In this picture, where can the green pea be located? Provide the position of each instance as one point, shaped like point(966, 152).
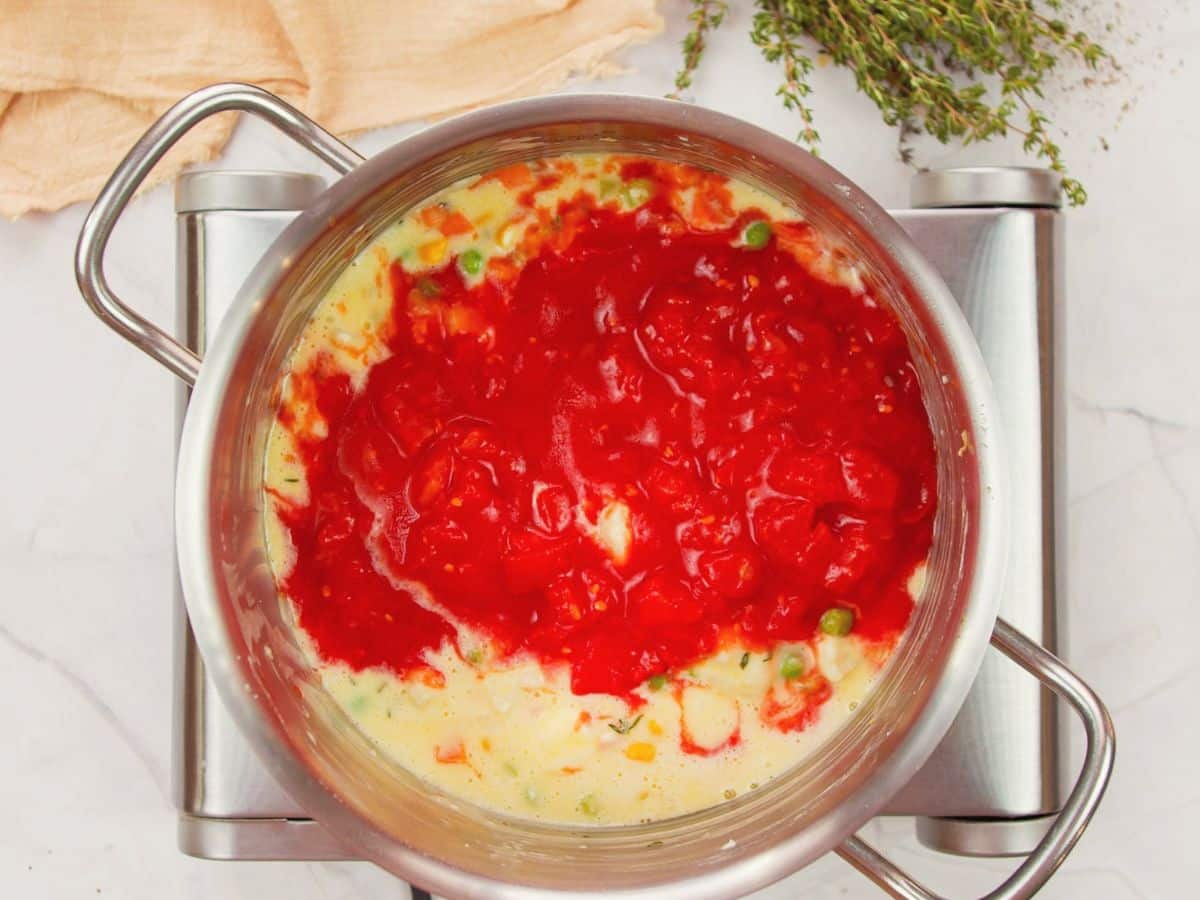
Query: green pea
point(791, 667)
point(471, 262)
point(656, 682)
point(590, 806)
point(757, 235)
point(837, 621)
point(637, 192)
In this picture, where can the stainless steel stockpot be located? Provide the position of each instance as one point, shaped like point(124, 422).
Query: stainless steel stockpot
point(411, 828)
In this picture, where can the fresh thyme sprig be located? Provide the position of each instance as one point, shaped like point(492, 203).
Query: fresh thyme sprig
point(968, 70)
point(706, 16)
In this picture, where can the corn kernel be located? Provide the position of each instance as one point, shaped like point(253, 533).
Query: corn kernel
point(655, 728)
point(640, 751)
point(508, 235)
point(433, 252)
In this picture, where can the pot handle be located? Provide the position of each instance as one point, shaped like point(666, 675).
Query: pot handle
point(1050, 852)
point(128, 176)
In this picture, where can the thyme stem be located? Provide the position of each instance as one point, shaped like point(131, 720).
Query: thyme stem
point(965, 70)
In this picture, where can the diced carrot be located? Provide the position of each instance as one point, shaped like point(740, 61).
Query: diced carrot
point(450, 753)
point(444, 220)
point(432, 216)
point(431, 678)
point(516, 175)
point(456, 223)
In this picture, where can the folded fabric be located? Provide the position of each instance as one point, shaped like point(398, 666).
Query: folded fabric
point(80, 81)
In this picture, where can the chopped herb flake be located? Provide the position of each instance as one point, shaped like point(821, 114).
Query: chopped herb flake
point(428, 287)
point(745, 661)
point(589, 806)
point(622, 727)
point(657, 682)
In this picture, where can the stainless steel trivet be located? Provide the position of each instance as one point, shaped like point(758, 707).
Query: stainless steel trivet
point(994, 785)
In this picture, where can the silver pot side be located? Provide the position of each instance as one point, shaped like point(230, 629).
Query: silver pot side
point(412, 829)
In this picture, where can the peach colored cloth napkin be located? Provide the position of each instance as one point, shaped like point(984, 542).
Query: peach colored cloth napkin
point(80, 81)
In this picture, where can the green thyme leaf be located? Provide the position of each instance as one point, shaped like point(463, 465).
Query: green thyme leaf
point(622, 727)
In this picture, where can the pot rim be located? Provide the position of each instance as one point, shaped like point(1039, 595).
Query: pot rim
point(987, 556)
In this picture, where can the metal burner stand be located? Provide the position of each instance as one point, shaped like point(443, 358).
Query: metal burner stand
point(994, 785)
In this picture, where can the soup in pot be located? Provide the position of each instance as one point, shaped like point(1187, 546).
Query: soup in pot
point(600, 489)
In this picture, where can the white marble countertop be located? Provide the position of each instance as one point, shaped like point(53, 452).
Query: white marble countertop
point(85, 494)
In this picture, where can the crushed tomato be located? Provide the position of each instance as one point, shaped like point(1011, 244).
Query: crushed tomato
point(754, 435)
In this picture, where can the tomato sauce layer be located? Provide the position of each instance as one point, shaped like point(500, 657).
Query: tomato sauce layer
point(644, 442)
